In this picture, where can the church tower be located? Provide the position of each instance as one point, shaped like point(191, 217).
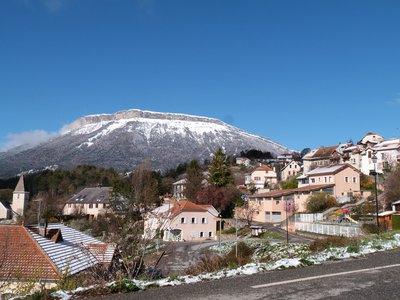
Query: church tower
point(20, 197)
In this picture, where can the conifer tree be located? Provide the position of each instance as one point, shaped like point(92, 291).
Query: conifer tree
point(220, 174)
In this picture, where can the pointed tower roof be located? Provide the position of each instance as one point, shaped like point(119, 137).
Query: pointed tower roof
point(20, 188)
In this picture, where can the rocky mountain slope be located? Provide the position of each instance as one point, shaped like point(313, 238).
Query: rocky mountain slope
point(124, 139)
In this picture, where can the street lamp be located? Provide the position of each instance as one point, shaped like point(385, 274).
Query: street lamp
point(374, 160)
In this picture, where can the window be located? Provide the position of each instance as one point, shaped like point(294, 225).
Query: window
point(193, 220)
point(201, 234)
point(354, 179)
point(104, 205)
point(210, 234)
point(182, 220)
point(257, 178)
point(203, 220)
point(97, 205)
point(325, 179)
point(91, 205)
point(312, 180)
point(69, 205)
point(346, 179)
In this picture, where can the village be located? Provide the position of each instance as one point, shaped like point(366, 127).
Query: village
point(330, 191)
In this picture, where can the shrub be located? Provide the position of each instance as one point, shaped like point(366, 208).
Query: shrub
point(319, 202)
point(354, 248)
point(231, 230)
point(370, 228)
point(244, 253)
point(123, 286)
point(329, 242)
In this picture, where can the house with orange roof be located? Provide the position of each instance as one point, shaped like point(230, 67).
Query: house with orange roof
point(262, 176)
point(182, 221)
point(46, 254)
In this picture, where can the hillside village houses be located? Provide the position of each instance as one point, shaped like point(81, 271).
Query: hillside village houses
point(340, 181)
point(358, 155)
point(181, 221)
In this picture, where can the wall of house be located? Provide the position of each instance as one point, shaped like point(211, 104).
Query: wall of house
point(3, 212)
point(346, 181)
point(193, 227)
point(154, 224)
point(291, 170)
point(259, 178)
point(84, 209)
point(268, 210)
point(366, 163)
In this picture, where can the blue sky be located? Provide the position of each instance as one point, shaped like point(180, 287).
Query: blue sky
point(303, 73)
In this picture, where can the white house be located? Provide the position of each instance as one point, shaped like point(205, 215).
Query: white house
point(263, 175)
point(182, 221)
point(291, 169)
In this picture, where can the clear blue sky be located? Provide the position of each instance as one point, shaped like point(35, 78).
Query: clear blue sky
point(303, 73)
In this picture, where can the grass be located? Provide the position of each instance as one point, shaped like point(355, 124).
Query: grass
point(272, 235)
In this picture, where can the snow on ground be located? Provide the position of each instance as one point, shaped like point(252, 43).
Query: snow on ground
point(280, 256)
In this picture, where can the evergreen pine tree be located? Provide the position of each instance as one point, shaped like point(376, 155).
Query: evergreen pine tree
point(220, 174)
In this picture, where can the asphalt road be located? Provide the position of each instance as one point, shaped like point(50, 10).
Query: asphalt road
point(373, 277)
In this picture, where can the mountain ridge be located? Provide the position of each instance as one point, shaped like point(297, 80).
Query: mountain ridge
point(124, 139)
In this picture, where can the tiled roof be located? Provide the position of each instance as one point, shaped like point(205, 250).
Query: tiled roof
point(263, 168)
point(186, 205)
point(321, 152)
point(279, 193)
point(91, 195)
point(63, 251)
point(21, 257)
point(330, 169)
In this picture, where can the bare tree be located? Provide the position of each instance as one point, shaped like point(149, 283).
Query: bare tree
point(145, 187)
point(247, 211)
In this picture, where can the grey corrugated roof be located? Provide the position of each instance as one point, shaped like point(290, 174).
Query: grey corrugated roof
point(74, 253)
point(92, 195)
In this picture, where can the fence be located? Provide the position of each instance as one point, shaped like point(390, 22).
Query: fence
point(329, 229)
point(308, 217)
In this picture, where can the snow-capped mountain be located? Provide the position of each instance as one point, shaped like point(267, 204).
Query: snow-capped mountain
point(125, 139)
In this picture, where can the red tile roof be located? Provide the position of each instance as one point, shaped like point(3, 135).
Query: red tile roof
point(21, 256)
point(186, 205)
point(279, 193)
point(263, 168)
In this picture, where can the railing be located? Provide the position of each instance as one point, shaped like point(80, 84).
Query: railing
point(329, 229)
point(308, 217)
